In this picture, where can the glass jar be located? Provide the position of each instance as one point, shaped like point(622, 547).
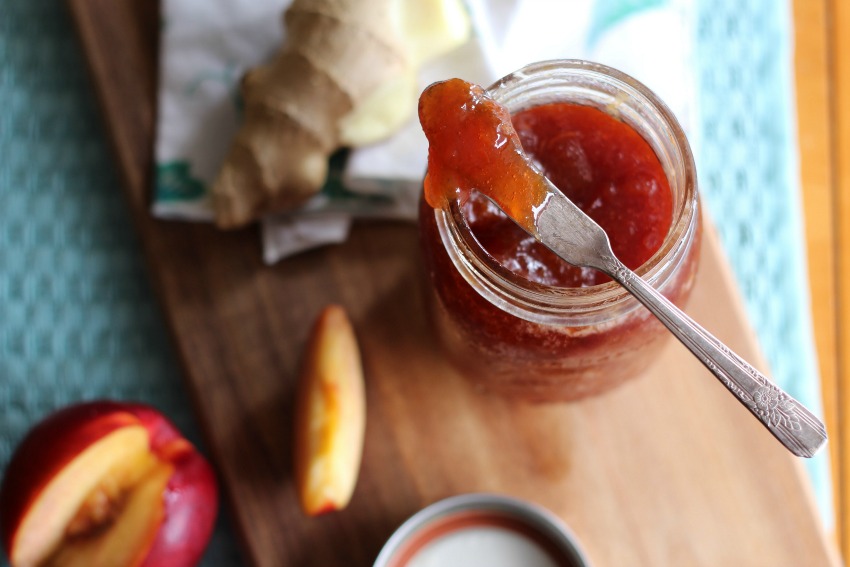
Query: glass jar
point(534, 342)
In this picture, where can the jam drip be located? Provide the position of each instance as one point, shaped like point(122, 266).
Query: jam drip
point(478, 151)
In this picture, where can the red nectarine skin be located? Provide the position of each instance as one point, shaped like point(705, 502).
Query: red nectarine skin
point(190, 500)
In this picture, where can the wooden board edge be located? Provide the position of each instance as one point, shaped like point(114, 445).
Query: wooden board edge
point(135, 174)
point(713, 246)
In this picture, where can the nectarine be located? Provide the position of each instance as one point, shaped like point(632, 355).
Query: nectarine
point(106, 484)
point(330, 415)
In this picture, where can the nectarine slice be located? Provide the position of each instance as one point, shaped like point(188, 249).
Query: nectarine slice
point(330, 415)
point(44, 526)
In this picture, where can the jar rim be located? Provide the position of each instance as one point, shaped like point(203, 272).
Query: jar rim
point(544, 303)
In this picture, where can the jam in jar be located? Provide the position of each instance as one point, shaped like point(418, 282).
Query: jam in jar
point(515, 318)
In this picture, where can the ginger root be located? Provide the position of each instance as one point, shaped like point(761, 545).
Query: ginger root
point(344, 76)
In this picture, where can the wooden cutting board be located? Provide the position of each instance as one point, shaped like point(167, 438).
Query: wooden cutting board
point(667, 470)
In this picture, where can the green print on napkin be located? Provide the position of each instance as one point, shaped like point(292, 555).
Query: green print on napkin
point(608, 13)
point(174, 182)
point(334, 188)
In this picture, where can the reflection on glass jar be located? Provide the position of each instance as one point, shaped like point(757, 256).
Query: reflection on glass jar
point(528, 337)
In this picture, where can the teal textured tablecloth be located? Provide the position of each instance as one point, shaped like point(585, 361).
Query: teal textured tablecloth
point(78, 319)
point(748, 169)
point(77, 316)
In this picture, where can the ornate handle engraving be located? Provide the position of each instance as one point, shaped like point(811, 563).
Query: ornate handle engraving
point(575, 237)
point(788, 420)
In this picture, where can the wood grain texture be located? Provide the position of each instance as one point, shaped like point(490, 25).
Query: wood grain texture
point(817, 180)
point(667, 470)
point(839, 51)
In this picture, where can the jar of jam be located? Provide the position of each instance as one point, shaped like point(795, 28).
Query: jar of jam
point(514, 318)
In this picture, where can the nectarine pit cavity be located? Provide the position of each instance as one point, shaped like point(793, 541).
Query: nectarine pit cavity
point(99, 510)
point(106, 501)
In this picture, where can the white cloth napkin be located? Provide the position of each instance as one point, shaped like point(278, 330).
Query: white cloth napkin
point(208, 44)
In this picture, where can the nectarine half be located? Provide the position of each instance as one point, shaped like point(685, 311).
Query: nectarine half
point(106, 484)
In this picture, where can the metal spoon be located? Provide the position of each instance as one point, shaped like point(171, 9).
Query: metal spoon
point(566, 230)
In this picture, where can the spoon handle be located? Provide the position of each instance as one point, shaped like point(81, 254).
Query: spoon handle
point(786, 418)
